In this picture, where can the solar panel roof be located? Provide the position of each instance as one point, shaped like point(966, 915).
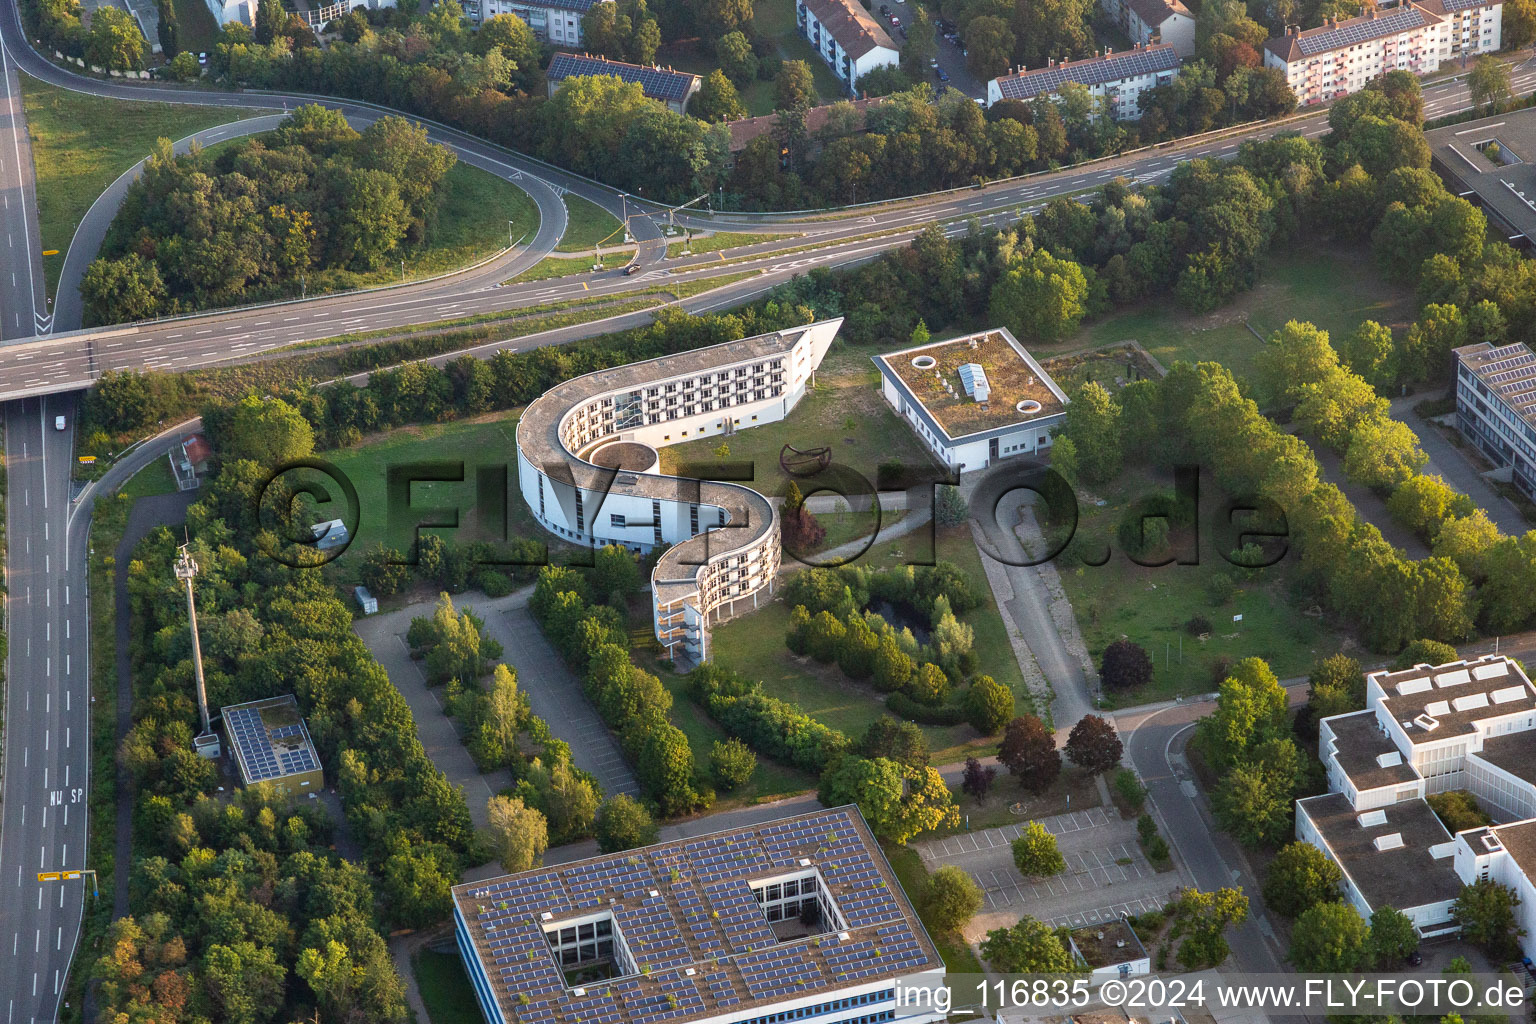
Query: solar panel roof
point(688, 916)
point(658, 83)
point(1144, 60)
point(269, 739)
point(1358, 30)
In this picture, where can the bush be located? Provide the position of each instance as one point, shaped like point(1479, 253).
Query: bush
point(1125, 666)
point(493, 583)
point(1219, 588)
point(731, 763)
point(1459, 810)
point(623, 824)
point(951, 898)
point(924, 714)
point(989, 705)
point(1197, 625)
point(1130, 790)
point(779, 730)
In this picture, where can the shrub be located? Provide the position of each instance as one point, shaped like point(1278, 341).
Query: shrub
point(779, 730)
point(731, 763)
point(493, 583)
point(1130, 790)
point(1125, 666)
point(924, 714)
point(930, 685)
point(1197, 625)
point(1219, 588)
point(989, 705)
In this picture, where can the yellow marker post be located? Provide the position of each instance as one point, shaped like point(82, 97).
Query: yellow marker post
point(50, 252)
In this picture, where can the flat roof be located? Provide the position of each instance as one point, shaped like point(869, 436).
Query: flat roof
point(1455, 696)
point(269, 739)
point(1401, 877)
point(1509, 371)
point(1520, 840)
point(1514, 752)
point(1506, 189)
point(1012, 374)
point(1360, 742)
point(687, 914)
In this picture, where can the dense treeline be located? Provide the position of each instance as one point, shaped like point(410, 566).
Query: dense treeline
point(772, 727)
point(242, 910)
point(200, 231)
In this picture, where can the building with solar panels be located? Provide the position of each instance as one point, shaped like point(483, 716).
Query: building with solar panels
point(269, 742)
point(674, 88)
point(799, 919)
point(1118, 79)
point(552, 21)
point(1496, 408)
point(1343, 54)
point(847, 37)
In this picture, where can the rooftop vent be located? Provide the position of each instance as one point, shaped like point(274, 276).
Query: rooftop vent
point(1471, 702)
point(1426, 723)
point(1390, 841)
point(1491, 843)
point(1491, 670)
point(1460, 677)
point(1437, 709)
point(1372, 819)
point(1391, 759)
point(1509, 693)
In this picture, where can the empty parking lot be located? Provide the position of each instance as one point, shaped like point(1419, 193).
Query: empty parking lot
point(1106, 875)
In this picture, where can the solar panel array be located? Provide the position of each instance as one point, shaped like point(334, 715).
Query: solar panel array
point(254, 742)
point(1094, 71)
point(658, 83)
point(1362, 29)
point(692, 926)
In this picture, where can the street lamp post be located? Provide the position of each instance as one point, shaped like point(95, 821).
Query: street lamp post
point(509, 234)
point(402, 271)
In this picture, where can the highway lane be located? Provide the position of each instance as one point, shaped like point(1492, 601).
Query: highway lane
point(23, 302)
point(47, 749)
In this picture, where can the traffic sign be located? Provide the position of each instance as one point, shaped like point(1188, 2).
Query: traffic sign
point(47, 876)
point(50, 252)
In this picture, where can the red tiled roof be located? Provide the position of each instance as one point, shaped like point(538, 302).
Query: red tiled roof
point(749, 128)
point(851, 25)
point(196, 448)
point(1155, 12)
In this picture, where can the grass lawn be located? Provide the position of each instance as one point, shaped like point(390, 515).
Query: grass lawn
point(586, 225)
point(81, 143)
point(1152, 606)
point(483, 441)
point(845, 412)
point(199, 31)
point(718, 241)
point(550, 267)
point(1319, 284)
point(913, 876)
point(1073, 790)
point(153, 479)
point(445, 989)
point(471, 225)
point(754, 645)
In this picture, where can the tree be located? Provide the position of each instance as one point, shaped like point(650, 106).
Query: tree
point(717, 99)
point(1030, 946)
point(1040, 297)
point(615, 574)
point(623, 824)
point(520, 833)
point(168, 31)
point(1125, 666)
point(1093, 425)
point(1486, 911)
point(977, 778)
point(1392, 940)
point(988, 705)
point(244, 981)
point(271, 19)
point(1369, 351)
point(268, 431)
point(737, 61)
point(184, 67)
point(899, 801)
point(1336, 686)
point(1519, 28)
point(1035, 853)
point(1330, 938)
point(990, 42)
point(115, 41)
point(951, 897)
point(1200, 919)
point(416, 883)
point(902, 742)
point(1383, 453)
point(1300, 877)
point(1488, 82)
point(920, 46)
point(506, 708)
point(1295, 355)
point(731, 763)
point(665, 768)
point(1029, 752)
point(794, 89)
point(1093, 745)
point(1254, 799)
point(1425, 501)
point(117, 291)
point(568, 798)
point(383, 571)
point(950, 507)
point(1426, 351)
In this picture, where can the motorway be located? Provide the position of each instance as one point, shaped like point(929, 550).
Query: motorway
point(23, 302)
point(70, 361)
point(47, 748)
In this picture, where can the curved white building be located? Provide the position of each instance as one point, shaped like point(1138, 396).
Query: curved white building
point(586, 467)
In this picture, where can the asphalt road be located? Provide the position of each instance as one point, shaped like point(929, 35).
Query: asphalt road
point(68, 362)
point(23, 303)
point(47, 748)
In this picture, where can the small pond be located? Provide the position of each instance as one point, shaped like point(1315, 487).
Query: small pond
point(903, 616)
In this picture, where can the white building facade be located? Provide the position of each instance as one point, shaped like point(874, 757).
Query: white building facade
point(1118, 79)
point(1467, 725)
point(1155, 21)
point(553, 21)
point(847, 38)
point(586, 469)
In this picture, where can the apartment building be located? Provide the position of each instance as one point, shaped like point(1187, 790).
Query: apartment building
point(674, 88)
point(1467, 725)
point(847, 37)
point(553, 21)
point(1342, 55)
point(1117, 78)
point(1496, 408)
point(1155, 21)
point(796, 919)
point(587, 468)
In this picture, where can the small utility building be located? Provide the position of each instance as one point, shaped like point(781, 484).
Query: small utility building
point(270, 743)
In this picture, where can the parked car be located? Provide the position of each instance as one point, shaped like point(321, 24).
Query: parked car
point(885, 9)
point(632, 268)
point(202, 60)
point(933, 62)
point(941, 74)
point(895, 21)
